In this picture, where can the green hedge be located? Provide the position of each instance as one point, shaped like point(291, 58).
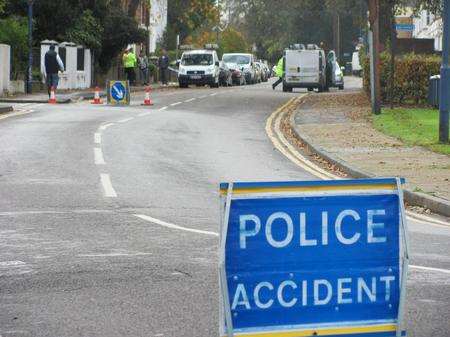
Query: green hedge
point(412, 73)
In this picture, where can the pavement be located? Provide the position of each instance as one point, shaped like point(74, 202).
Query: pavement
point(70, 96)
point(109, 216)
point(337, 125)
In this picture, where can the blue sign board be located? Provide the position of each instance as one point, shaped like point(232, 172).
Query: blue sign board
point(407, 27)
point(118, 93)
point(313, 258)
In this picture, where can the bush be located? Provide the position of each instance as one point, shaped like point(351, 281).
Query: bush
point(14, 32)
point(412, 73)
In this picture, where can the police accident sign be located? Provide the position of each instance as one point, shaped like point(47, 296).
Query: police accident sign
point(325, 258)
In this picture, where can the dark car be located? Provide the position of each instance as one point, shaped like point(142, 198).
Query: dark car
point(225, 75)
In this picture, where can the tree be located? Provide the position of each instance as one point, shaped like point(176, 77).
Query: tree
point(189, 18)
point(14, 32)
point(102, 25)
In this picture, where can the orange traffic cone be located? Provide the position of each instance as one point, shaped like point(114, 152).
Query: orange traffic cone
point(97, 99)
point(147, 100)
point(52, 99)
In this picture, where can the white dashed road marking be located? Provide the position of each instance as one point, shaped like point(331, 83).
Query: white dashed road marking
point(97, 138)
point(172, 226)
point(98, 156)
point(144, 114)
point(107, 186)
point(175, 104)
point(163, 108)
point(105, 126)
point(190, 100)
point(125, 120)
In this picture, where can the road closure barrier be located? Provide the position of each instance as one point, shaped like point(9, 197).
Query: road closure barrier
point(147, 99)
point(97, 99)
point(313, 258)
point(52, 99)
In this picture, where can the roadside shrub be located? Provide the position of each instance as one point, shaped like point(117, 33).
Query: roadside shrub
point(411, 78)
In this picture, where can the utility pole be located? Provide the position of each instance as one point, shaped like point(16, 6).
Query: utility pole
point(374, 45)
point(29, 87)
point(445, 78)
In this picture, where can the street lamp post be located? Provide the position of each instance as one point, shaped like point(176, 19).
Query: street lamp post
point(444, 105)
point(30, 48)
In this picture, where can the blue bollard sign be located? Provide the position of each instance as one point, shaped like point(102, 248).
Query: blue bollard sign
point(315, 258)
point(118, 92)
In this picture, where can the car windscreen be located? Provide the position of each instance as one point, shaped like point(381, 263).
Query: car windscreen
point(197, 60)
point(238, 59)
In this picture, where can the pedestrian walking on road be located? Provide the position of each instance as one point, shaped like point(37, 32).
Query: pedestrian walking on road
point(53, 64)
point(129, 64)
point(143, 66)
point(279, 71)
point(163, 63)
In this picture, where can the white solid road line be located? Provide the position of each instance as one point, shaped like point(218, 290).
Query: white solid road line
point(172, 226)
point(105, 126)
point(107, 186)
point(439, 270)
point(97, 138)
point(98, 156)
point(175, 104)
point(190, 100)
point(163, 108)
point(125, 120)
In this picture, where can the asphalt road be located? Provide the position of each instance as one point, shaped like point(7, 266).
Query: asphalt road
point(78, 184)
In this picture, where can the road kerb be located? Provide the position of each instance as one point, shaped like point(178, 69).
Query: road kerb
point(436, 205)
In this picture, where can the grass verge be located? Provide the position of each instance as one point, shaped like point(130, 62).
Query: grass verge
point(412, 127)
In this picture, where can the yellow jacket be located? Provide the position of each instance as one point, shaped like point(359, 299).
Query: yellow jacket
point(129, 60)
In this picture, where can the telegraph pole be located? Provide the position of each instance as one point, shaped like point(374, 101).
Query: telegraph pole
point(445, 78)
point(374, 45)
point(29, 87)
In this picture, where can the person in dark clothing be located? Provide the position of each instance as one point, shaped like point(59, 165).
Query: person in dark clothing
point(163, 63)
point(53, 64)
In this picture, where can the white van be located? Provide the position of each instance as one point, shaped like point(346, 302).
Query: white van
point(200, 67)
point(356, 65)
point(305, 68)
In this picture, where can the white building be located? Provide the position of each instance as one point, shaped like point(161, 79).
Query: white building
point(5, 67)
point(77, 64)
point(158, 22)
point(428, 26)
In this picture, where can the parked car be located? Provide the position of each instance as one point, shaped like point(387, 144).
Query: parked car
point(335, 75)
point(258, 72)
point(237, 75)
point(265, 71)
point(200, 67)
point(225, 75)
point(246, 64)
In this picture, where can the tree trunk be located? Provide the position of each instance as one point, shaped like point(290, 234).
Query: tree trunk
point(392, 52)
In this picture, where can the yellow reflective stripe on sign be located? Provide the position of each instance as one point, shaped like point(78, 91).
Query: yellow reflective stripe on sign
point(309, 189)
point(322, 332)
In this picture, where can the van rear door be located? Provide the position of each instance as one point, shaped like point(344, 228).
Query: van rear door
point(292, 66)
point(309, 66)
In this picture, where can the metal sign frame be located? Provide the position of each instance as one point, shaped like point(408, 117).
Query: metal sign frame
point(232, 191)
